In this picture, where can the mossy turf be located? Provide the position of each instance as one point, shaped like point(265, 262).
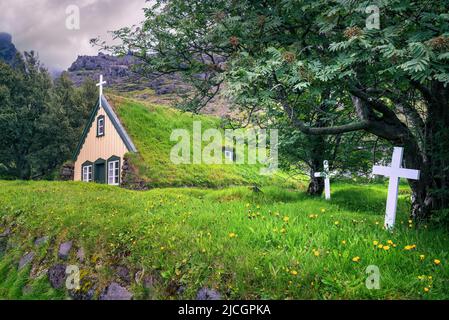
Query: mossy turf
point(150, 127)
point(277, 244)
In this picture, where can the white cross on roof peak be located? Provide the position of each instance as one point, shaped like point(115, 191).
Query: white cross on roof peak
point(100, 85)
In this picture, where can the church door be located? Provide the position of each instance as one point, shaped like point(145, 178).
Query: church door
point(100, 172)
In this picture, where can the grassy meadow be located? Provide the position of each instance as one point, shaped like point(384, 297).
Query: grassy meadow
point(278, 244)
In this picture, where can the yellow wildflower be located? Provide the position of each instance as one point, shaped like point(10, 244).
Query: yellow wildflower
point(343, 241)
point(436, 261)
point(232, 235)
point(380, 246)
point(356, 259)
point(386, 248)
point(294, 272)
point(426, 289)
point(286, 219)
point(375, 242)
point(422, 257)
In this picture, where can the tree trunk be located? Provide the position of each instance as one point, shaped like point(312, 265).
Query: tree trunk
point(23, 169)
point(317, 150)
point(316, 186)
point(430, 193)
point(421, 199)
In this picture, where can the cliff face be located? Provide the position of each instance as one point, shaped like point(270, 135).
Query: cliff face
point(8, 52)
point(119, 73)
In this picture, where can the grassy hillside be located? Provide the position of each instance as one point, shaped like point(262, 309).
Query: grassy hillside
point(150, 127)
point(275, 244)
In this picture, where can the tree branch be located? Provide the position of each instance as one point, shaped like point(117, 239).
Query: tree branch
point(354, 126)
point(374, 103)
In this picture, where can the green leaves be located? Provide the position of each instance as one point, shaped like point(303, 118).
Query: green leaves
point(443, 56)
point(42, 120)
point(420, 58)
point(340, 46)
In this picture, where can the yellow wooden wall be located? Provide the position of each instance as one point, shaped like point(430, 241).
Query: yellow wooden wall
point(100, 147)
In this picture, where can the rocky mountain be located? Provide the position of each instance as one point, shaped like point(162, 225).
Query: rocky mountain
point(8, 52)
point(120, 74)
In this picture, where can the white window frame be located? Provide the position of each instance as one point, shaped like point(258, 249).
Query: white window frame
point(114, 172)
point(87, 173)
point(100, 129)
point(229, 155)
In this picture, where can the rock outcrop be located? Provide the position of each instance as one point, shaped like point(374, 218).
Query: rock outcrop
point(26, 259)
point(121, 73)
point(208, 294)
point(8, 52)
point(64, 250)
point(57, 276)
point(116, 292)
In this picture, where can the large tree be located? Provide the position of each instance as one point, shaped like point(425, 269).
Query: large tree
point(25, 96)
point(40, 122)
point(391, 82)
point(394, 79)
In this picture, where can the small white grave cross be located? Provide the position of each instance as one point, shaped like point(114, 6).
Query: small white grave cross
point(100, 84)
point(325, 174)
point(395, 172)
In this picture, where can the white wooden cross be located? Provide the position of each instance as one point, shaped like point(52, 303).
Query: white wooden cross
point(325, 174)
point(100, 84)
point(395, 172)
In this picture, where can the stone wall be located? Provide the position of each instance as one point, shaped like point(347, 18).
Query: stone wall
point(67, 172)
point(130, 178)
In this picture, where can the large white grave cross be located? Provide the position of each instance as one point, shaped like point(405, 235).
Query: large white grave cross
point(325, 174)
point(100, 84)
point(395, 172)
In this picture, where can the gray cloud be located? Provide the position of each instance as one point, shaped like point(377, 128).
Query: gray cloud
point(40, 25)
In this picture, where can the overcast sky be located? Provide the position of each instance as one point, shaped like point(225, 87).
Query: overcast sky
point(40, 25)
